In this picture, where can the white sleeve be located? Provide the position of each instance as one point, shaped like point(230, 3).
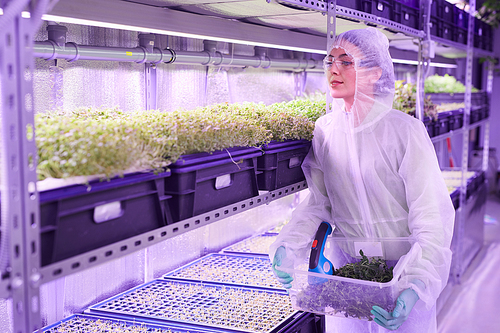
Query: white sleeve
point(298, 234)
point(430, 220)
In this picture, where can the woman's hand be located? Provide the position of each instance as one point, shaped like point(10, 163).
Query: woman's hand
point(279, 260)
point(404, 305)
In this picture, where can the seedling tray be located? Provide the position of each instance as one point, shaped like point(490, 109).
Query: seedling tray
point(206, 305)
point(83, 323)
point(203, 182)
point(280, 165)
point(79, 218)
point(256, 245)
point(348, 297)
point(232, 269)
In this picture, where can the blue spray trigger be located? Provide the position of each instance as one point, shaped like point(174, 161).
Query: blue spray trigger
point(317, 260)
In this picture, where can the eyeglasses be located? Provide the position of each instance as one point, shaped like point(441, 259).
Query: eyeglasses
point(341, 64)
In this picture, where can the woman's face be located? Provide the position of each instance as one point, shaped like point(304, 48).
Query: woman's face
point(341, 75)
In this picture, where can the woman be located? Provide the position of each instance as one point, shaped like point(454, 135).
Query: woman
point(372, 172)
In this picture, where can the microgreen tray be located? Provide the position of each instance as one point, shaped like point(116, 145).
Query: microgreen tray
point(350, 297)
point(83, 323)
point(256, 245)
point(205, 305)
point(229, 269)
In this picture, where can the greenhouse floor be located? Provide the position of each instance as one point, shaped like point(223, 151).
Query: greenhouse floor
point(473, 305)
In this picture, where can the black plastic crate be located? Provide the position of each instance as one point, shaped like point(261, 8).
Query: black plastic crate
point(459, 118)
point(406, 14)
point(443, 10)
point(461, 19)
point(442, 124)
point(483, 34)
point(448, 30)
point(486, 110)
point(203, 182)
point(360, 5)
point(382, 8)
point(79, 218)
point(456, 119)
point(306, 322)
point(460, 35)
point(455, 198)
point(436, 26)
point(429, 125)
point(411, 3)
point(280, 165)
point(475, 115)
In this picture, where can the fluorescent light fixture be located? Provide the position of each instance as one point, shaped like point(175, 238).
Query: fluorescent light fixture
point(433, 64)
point(63, 19)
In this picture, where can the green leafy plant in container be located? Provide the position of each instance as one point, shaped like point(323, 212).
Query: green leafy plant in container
point(203, 131)
point(108, 142)
point(444, 84)
point(70, 145)
point(351, 299)
point(281, 121)
point(405, 99)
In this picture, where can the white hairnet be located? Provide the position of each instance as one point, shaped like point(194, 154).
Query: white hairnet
point(372, 171)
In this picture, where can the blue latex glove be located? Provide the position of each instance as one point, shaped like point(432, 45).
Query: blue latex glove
point(404, 304)
point(279, 259)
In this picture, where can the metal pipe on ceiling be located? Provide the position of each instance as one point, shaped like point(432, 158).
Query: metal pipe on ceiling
point(50, 50)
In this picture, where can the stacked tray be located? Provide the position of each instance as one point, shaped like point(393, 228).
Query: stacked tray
point(257, 245)
point(254, 271)
point(201, 305)
point(82, 323)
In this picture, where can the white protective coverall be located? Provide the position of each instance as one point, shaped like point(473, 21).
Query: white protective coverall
point(372, 171)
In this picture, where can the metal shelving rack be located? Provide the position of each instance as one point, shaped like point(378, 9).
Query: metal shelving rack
point(20, 213)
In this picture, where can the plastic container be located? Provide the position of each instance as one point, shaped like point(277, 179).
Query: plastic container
point(256, 245)
point(203, 182)
point(347, 297)
point(280, 165)
point(247, 270)
point(205, 305)
point(79, 218)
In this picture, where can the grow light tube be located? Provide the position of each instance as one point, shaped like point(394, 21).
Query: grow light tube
point(414, 62)
point(63, 19)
